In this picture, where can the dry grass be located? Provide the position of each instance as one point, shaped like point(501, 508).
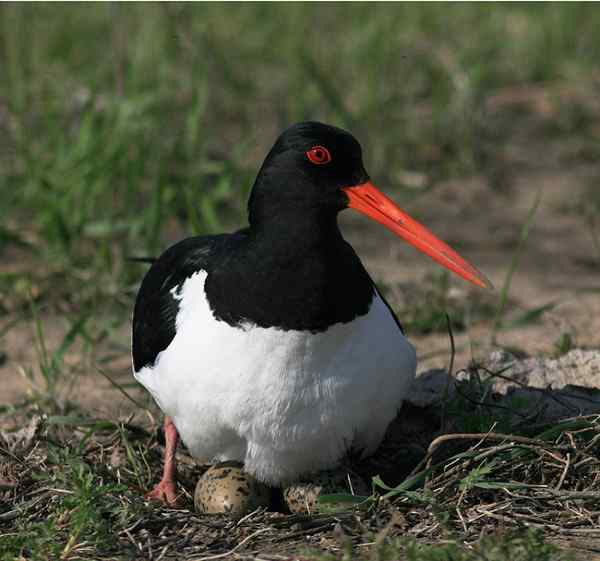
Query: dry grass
point(71, 488)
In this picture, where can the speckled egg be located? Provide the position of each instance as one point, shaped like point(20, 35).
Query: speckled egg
point(302, 497)
point(227, 488)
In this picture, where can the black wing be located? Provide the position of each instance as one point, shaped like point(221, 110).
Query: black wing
point(155, 307)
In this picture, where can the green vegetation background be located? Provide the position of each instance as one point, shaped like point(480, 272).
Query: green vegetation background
point(124, 126)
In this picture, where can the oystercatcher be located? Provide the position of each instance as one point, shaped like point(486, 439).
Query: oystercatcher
point(272, 345)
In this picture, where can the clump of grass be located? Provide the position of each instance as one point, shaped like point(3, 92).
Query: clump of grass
point(63, 503)
point(472, 408)
point(547, 481)
point(564, 343)
point(82, 516)
point(517, 546)
point(517, 255)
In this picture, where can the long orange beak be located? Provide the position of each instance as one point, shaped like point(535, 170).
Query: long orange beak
point(369, 200)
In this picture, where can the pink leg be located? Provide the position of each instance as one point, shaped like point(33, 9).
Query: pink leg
point(166, 490)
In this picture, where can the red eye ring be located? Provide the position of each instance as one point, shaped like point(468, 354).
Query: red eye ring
point(319, 155)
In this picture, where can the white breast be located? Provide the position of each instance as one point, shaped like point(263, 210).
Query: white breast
point(283, 402)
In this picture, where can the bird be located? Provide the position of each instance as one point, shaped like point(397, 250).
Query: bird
point(272, 345)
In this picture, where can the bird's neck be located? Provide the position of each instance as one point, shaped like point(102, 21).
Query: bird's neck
point(291, 273)
point(295, 233)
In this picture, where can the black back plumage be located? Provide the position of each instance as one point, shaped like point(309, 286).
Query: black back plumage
point(156, 308)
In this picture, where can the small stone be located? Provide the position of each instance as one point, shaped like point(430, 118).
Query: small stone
point(117, 456)
point(227, 488)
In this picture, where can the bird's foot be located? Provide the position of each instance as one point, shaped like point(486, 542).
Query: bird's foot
point(165, 492)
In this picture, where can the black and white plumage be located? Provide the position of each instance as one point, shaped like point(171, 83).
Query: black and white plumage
point(272, 345)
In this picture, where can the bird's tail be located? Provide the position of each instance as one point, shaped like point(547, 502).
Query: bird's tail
point(142, 259)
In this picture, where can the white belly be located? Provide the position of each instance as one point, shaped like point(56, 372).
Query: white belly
point(283, 402)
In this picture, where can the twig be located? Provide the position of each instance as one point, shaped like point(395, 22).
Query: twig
point(18, 510)
point(450, 370)
point(305, 532)
point(248, 516)
point(232, 551)
point(11, 455)
point(162, 553)
point(477, 436)
point(121, 389)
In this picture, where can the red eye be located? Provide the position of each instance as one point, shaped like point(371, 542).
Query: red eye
point(319, 155)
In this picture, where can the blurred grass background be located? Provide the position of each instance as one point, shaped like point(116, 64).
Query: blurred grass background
point(126, 126)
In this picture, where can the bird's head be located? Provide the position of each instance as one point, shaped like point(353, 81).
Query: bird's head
point(316, 170)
